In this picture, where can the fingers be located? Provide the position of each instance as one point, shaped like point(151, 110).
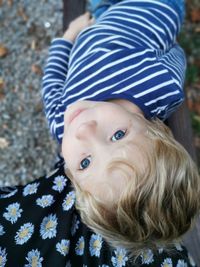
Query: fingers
point(89, 17)
point(87, 14)
point(92, 21)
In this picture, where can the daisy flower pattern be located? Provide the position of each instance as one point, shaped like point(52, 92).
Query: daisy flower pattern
point(147, 257)
point(48, 227)
point(30, 189)
point(120, 258)
point(24, 234)
point(13, 212)
point(59, 183)
point(95, 245)
point(45, 201)
point(49, 175)
point(8, 191)
point(178, 247)
point(68, 264)
point(1, 230)
point(69, 201)
point(167, 263)
point(181, 263)
point(75, 224)
point(160, 250)
point(63, 247)
point(80, 245)
point(34, 259)
point(191, 260)
point(3, 256)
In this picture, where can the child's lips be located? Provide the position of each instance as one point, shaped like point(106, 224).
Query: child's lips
point(75, 114)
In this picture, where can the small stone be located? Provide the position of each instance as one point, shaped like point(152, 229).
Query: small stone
point(3, 51)
point(47, 24)
point(21, 13)
point(1, 84)
point(33, 45)
point(10, 2)
point(36, 69)
point(3, 143)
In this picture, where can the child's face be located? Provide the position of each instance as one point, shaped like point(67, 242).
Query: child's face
point(98, 135)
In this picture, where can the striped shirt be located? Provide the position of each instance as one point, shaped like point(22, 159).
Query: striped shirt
point(129, 53)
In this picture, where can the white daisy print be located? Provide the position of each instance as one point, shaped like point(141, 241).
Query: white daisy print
point(181, 263)
point(60, 183)
point(69, 201)
point(45, 201)
point(160, 250)
point(24, 234)
point(95, 245)
point(167, 263)
point(13, 212)
point(48, 227)
point(8, 191)
point(147, 257)
point(3, 255)
point(34, 259)
point(50, 174)
point(63, 247)
point(178, 247)
point(30, 189)
point(68, 264)
point(120, 257)
point(191, 260)
point(75, 224)
point(2, 232)
point(80, 245)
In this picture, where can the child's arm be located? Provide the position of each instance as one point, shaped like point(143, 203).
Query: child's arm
point(55, 72)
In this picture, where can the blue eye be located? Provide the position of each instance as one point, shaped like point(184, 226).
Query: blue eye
point(118, 135)
point(85, 163)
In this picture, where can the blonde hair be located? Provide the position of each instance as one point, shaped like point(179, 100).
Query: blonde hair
point(156, 207)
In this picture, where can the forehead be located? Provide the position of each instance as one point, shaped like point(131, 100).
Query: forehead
point(107, 184)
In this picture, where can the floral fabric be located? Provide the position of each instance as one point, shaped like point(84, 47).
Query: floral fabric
point(40, 227)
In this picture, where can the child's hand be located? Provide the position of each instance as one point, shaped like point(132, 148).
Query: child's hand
point(77, 25)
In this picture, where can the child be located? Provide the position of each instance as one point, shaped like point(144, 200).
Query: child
point(40, 227)
point(104, 85)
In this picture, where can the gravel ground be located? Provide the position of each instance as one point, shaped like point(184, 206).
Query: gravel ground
point(27, 27)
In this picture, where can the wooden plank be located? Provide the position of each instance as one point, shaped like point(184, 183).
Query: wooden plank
point(71, 10)
point(179, 123)
point(192, 242)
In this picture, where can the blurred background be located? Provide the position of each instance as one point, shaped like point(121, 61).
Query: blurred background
point(26, 29)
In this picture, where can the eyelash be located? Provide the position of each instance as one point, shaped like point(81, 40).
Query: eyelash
point(125, 131)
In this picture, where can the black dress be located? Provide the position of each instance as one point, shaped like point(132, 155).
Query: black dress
point(40, 227)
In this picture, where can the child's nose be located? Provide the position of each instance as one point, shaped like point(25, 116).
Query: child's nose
point(86, 129)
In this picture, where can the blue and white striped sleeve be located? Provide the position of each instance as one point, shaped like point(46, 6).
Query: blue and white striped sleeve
point(54, 80)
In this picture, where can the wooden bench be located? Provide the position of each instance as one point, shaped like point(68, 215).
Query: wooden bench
point(179, 123)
